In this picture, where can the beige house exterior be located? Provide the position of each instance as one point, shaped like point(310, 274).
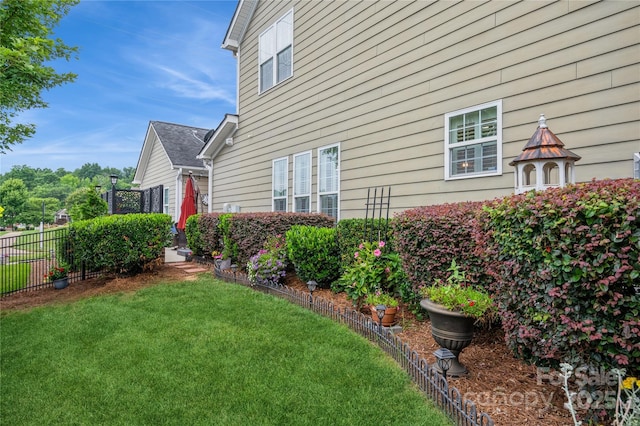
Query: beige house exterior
point(433, 99)
point(167, 157)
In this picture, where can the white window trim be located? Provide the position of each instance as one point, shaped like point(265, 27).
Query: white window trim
point(319, 171)
point(295, 176)
point(498, 137)
point(636, 165)
point(275, 55)
point(165, 200)
point(273, 182)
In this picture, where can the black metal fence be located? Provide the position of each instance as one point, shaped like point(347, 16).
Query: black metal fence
point(26, 258)
point(462, 411)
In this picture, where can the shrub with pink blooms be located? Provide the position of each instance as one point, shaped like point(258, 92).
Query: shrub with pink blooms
point(374, 268)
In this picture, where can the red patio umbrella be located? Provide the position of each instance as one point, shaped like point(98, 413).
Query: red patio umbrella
point(188, 207)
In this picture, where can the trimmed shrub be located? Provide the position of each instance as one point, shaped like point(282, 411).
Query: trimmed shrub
point(204, 235)
point(314, 253)
point(245, 233)
point(570, 262)
point(429, 238)
point(123, 244)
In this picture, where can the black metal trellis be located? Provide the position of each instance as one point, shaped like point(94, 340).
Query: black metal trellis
point(374, 230)
point(462, 411)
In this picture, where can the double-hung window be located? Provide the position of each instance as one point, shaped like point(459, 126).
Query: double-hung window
point(165, 201)
point(473, 141)
point(302, 182)
point(276, 52)
point(329, 180)
point(280, 184)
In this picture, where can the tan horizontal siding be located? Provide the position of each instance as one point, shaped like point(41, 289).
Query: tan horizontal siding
point(378, 77)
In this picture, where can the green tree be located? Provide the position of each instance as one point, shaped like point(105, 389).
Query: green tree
point(13, 196)
point(85, 203)
point(26, 27)
point(31, 213)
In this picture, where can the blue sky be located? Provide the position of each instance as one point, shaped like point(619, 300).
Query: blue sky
point(138, 61)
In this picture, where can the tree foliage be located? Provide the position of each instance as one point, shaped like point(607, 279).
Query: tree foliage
point(13, 196)
point(26, 27)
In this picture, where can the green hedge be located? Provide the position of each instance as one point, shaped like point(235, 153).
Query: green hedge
point(249, 231)
point(121, 244)
point(570, 258)
point(313, 252)
point(204, 235)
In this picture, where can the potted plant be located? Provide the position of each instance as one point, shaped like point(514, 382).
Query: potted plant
point(391, 307)
point(454, 308)
point(59, 276)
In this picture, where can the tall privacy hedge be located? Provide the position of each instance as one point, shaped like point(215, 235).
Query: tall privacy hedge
point(569, 262)
point(123, 244)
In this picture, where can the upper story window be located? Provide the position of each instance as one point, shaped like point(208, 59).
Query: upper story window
point(280, 184)
point(473, 141)
point(329, 180)
point(276, 52)
point(302, 182)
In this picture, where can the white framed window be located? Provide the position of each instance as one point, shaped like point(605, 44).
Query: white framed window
point(165, 201)
point(473, 141)
point(636, 165)
point(279, 182)
point(302, 182)
point(329, 180)
point(275, 52)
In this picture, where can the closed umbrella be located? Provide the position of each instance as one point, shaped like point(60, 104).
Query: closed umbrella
point(188, 207)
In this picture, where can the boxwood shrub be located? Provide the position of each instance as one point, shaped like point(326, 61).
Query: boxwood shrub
point(314, 253)
point(567, 285)
point(204, 234)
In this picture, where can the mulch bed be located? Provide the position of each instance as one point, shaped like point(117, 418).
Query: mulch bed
point(500, 385)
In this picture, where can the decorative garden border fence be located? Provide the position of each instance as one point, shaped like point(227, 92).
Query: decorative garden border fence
point(26, 259)
point(463, 412)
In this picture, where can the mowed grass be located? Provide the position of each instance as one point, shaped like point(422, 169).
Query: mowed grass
point(197, 353)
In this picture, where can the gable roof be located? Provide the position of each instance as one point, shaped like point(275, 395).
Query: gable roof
point(238, 26)
point(180, 143)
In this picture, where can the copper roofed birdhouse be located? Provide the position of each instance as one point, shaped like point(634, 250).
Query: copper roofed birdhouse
point(544, 162)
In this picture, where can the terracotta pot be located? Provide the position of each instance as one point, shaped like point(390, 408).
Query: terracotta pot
point(451, 330)
point(61, 283)
point(389, 317)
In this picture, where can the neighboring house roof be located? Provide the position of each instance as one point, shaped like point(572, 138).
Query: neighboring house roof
point(238, 26)
point(180, 143)
point(216, 139)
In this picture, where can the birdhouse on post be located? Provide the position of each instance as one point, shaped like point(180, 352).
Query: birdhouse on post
point(544, 162)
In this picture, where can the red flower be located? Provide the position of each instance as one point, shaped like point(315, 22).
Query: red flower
point(471, 303)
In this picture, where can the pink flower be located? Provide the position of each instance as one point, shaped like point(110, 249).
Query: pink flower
point(361, 246)
point(377, 252)
point(381, 244)
point(356, 254)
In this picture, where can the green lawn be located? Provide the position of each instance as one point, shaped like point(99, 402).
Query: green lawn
point(14, 276)
point(203, 352)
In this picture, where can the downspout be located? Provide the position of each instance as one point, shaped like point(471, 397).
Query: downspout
point(176, 215)
point(208, 164)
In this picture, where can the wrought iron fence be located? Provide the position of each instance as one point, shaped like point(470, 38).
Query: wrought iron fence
point(462, 411)
point(25, 260)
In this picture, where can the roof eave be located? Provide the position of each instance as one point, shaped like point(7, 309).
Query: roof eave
point(225, 129)
point(238, 25)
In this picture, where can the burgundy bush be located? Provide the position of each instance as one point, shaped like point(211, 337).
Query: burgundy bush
point(569, 275)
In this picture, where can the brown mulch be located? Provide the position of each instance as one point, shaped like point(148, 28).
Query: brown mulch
point(500, 385)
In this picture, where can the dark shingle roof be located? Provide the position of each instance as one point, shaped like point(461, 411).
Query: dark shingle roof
point(181, 143)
